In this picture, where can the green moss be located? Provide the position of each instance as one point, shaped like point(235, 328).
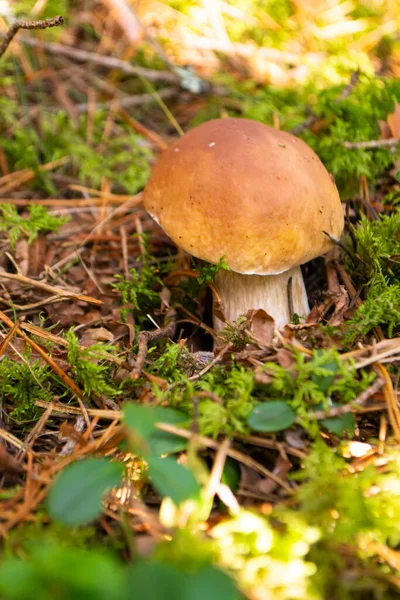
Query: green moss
point(376, 266)
point(22, 383)
point(90, 367)
point(350, 119)
point(123, 158)
point(140, 291)
point(39, 221)
point(323, 379)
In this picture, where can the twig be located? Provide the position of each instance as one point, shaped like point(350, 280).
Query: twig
point(20, 24)
point(235, 454)
point(371, 144)
point(149, 336)
point(129, 101)
point(270, 444)
point(213, 362)
point(106, 61)
point(52, 364)
point(391, 401)
point(354, 406)
point(49, 288)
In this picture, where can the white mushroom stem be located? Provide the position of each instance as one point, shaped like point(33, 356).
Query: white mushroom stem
point(275, 294)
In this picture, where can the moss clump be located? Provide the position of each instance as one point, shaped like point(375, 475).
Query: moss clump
point(15, 227)
point(376, 266)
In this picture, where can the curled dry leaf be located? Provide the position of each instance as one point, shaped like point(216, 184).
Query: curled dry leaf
point(342, 302)
point(218, 310)
point(262, 325)
point(282, 468)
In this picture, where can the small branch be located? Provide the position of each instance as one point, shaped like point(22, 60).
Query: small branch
point(61, 293)
point(213, 362)
point(20, 24)
point(149, 336)
point(106, 61)
point(371, 144)
point(354, 406)
point(129, 101)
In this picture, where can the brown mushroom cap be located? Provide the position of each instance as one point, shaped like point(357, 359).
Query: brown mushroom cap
point(238, 189)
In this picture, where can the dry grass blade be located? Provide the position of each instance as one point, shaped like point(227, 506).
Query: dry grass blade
point(14, 180)
point(49, 288)
point(53, 365)
point(106, 61)
point(8, 338)
point(64, 409)
point(391, 401)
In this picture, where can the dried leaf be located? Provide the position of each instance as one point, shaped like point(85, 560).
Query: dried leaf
point(391, 127)
point(262, 325)
point(285, 359)
point(393, 120)
point(96, 334)
point(385, 130)
point(8, 464)
point(218, 311)
point(282, 468)
point(165, 297)
point(341, 305)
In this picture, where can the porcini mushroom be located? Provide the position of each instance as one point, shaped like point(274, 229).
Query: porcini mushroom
point(257, 196)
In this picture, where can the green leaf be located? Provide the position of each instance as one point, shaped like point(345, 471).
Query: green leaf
point(161, 442)
point(231, 474)
point(210, 583)
point(275, 415)
point(76, 495)
point(172, 479)
point(155, 581)
point(339, 425)
point(140, 419)
point(324, 382)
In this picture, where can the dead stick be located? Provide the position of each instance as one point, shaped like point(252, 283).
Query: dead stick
point(149, 336)
point(20, 24)
point(388, 143)
point(106, 61)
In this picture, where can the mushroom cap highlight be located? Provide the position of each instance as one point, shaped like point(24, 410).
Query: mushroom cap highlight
point(236, 188)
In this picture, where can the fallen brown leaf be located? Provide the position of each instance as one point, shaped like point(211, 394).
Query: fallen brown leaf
point(8, 464)
point(262, 326)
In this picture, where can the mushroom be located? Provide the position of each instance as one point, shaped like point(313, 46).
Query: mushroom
point(256, 196)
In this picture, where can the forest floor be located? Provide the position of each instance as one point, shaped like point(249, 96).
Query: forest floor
point(258, 463)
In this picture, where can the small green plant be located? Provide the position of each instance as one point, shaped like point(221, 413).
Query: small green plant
point(315, 383)
point(208, 271)
point(89, 368)
point(39, 221)
point(22, 383)
point(123, 158)
point(377, 267)
point(223, 397)
point(345, 510)
point(141, 290)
